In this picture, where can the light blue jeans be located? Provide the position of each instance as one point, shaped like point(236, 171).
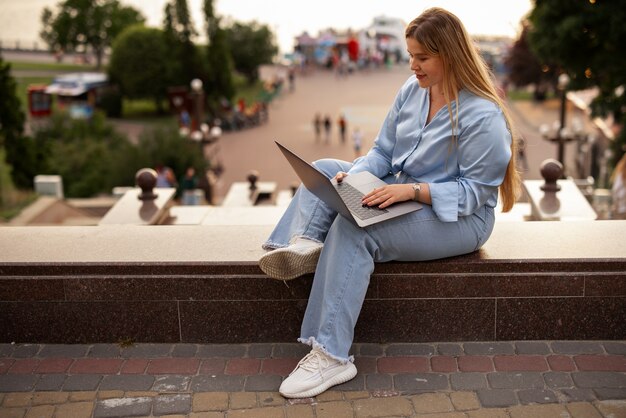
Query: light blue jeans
point(349, 253)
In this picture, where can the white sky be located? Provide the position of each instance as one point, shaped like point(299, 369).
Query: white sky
point(20, 19)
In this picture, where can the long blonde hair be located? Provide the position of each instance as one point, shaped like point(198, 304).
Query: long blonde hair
point(442, 34)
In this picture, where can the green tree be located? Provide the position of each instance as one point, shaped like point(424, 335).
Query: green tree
point(179, 35)
point(82, 24)
point(19, 151)
point(139, 64)
point(7, 189)
point(219, 81)
point(251, 45)
point(525, 68)
point(89, 155)
point(586, 39)
point(11, 116)
point(166, 146)
point(92, 157)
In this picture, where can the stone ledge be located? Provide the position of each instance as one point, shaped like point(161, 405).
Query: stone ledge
point(510, 241)
point(202, 284)
point(520, 247)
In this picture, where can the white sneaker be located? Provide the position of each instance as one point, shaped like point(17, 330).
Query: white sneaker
point(314, 374)
point(293, 261)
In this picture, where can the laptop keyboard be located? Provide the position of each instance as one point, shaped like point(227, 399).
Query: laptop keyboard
point(352, 197)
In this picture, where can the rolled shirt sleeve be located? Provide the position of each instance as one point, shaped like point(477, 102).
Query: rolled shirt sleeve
point(483, 154)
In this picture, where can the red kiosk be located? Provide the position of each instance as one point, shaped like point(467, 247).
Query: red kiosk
point(39, 102)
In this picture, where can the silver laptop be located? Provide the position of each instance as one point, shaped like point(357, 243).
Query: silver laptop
point(345, 197)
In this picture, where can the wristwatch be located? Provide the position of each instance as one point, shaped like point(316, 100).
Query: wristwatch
point(416, 189)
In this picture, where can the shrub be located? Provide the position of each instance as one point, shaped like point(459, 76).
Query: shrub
point(92, 157)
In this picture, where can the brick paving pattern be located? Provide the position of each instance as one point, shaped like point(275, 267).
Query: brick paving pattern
point(473, 379)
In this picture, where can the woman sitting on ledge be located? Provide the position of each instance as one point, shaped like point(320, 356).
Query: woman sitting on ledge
point(447, 142)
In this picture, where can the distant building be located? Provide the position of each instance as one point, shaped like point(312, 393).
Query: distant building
point(386, 34)
point(384, 37)
point(383, 41)
point(80, 93)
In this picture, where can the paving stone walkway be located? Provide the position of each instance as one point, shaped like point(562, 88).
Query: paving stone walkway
point(540, 379)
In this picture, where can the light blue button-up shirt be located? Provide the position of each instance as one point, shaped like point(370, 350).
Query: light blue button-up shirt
point(462, 177)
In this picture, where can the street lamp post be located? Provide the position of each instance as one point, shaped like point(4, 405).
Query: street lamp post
point(559, 132)
point(206, 137)
point(196, 88)
point(562, 84)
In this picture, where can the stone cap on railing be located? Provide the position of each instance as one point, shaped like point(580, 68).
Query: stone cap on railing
point(129, 210)
point(555, 199)
point(241, 194)
point(143, 205)
point(241, 245)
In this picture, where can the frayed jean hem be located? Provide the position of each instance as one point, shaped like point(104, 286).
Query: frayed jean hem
point(271, 245)
point(311, 341)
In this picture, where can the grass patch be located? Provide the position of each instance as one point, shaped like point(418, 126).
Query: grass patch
point(519, 95)
point(139, 108)
point(526, 94)
point(50, 66)
point(249, 92)
point(145, 112)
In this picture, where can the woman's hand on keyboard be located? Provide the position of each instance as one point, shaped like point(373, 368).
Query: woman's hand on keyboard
point(388, 195)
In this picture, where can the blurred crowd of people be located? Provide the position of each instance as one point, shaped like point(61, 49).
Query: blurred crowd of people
point(192, 188)
point(323, 128)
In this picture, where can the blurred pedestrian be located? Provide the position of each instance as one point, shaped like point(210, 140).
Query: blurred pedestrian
point(206, 181)
point(165, 176)
point(185, 120)
point(521, 153)
point(317, 126)
point(357, 142)
point(328, 125)
point(341, 122)
point(187, 187)
point(292, 78)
